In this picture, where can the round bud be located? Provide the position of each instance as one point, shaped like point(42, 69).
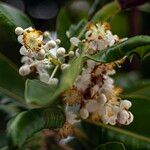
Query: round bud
point(84, 113)
point(51, 44)
point(102, 99)
point(122, 117)
point(71, 53)
point(41, 54)
point(125, 104)
point(24, 70)
point(46, 34)
point(23, 51)
point(20, 39)
point(64, 66)
point(60, 51)
point(19, 30)
point(75, 41)
point(53, 81)
point(58, 41)
point(130, 119)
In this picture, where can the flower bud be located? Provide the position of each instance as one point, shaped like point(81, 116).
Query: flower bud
point(19, 30)
point(24, 70)
point(51, 44)
point(60, 51)
point(84, 113)
point(23, 51)
point(75, 41)
point(123, 117)
point(53, 81)
point(58, 41)
point(64, 66)
point(71, 53)
point(41, 54)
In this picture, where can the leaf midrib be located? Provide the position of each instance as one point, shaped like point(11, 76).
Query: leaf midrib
point(128, 133)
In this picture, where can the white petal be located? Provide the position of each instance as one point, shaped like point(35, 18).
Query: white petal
point(84, 113)
point(75, 41)
point(125, 104)
point(44, 77)
point(91, 106)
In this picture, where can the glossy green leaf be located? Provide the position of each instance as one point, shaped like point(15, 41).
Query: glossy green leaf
point(106, 12)
point(74, 30)
point(27, 123)
point(110, 146)
point(62, 25)
point(10, 18)
point(38, 93)
point(97, 4)
point(138, 90)
point(11, 83)
point(122, 49)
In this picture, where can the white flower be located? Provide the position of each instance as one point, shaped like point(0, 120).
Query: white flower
point(125, 104)
point(84, 113)
point(102, 99)
point(44, 77)
point(71, 117)
point(130, 119)
point(75, 41)
point(23, 51)
point(123, 116)
point(91, 106)
point(20, 39)
point(24, 70)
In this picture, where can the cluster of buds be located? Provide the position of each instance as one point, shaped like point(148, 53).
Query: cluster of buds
point(41, 54)
point(98, 37)
point(94, 91)
point(93, 95)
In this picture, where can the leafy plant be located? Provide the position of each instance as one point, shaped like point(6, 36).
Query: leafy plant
point(70, 91)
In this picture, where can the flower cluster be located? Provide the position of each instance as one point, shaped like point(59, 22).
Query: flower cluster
point(39, 56)
point(93, 95)
point(94, 89)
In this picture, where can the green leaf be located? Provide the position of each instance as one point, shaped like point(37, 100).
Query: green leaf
point(122, 49)
point(10, 18)
point(74, 30)
point(11, 83)
point(40, 94)
point(138, 90)
point(106, 12)
point(110, 146)
point(27, 123)
point(62, 25)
